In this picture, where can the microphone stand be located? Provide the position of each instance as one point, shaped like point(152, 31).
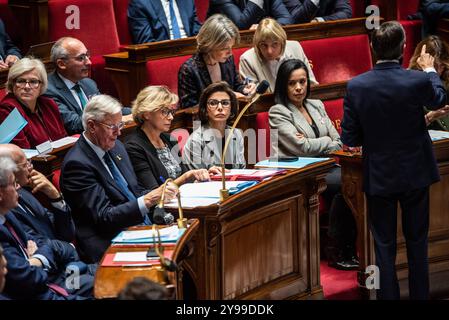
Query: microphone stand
point(224, 193)
point(182, 222)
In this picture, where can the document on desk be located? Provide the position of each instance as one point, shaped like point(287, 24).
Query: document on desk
point(436, 135)
point(63, 142)
point(200, 194)
point(169, 234)
point(301, 162)
point(134, 256)
point(29, 153)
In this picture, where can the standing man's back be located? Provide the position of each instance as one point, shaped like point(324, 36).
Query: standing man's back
point(383, 112)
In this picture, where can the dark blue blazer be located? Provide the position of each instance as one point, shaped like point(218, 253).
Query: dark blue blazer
point(70, 111)
point(6, 45)
point(148, 23)
point(55, 224)
point(383, 112)
point(245, 13)
point(23, 281)
point(304, 11)
point(99, 208)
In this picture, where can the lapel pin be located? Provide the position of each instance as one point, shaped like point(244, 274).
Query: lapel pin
point(119, 158)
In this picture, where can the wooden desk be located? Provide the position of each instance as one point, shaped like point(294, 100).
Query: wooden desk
point(352, 188)
point(109, 281)
point(262, 243)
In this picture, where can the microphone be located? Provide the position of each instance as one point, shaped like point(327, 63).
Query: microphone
point(160, 216)
point(158, 250)
point(262, 87)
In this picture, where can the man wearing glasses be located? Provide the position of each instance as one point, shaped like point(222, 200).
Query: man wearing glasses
point(99, 183)
point(69, 85)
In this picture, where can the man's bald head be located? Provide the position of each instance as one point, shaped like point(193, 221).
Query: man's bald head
point(13, 151)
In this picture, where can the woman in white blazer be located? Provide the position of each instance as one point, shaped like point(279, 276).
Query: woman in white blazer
point(304, 129)
point(271, 48)
point(218, 104)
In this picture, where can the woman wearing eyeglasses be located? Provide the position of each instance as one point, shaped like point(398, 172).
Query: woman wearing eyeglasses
point(27, 81)
point(153, 152)
point(218, 104)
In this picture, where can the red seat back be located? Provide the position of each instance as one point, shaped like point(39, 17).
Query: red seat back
point(358, 8)
point(201, 9)
point(55, 178)
point(121, 20)
point(237, 53)
point(165, 71)
point(334, 109)
point(406, 7)
point(340, 58)
point(97, 25)
point(262, 123)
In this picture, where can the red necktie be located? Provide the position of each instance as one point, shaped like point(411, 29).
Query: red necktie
point(58, 289)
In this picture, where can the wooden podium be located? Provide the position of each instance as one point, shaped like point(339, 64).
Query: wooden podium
point(110, 280)
point(352, 188)
point(262, 243)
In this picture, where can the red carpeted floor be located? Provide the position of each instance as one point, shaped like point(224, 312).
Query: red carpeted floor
point(337, 284)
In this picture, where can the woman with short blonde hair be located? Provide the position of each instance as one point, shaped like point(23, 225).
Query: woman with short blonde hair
point(271, 48)
point(154, 153)
point(213, 62)
point(27, 82)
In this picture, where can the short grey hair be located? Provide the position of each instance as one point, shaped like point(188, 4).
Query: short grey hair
point(7, 167)
point(25, 65)
point(99, 107)
point(58, 51)
point(215, 33)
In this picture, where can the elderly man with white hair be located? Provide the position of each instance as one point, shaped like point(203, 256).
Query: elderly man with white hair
point(99, 183)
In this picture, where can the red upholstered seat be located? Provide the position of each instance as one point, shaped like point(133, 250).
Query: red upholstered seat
point(237, 52)
point(121, 20)
point(165, 71)
point(97, 30)
point(2, 93)
point(406, 8)
point(263, 124)
point(358, 8)
point(340, 58)
point(201, 9)
point(334, 109)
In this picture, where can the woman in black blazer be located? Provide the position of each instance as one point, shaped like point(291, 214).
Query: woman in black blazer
point(155, 155)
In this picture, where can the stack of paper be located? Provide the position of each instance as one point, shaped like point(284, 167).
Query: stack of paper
point(436, 135)
point(301, 162)
point(246, 174)
point(169, 234)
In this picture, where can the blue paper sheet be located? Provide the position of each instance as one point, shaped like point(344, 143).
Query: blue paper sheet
point(300, 163)
point(11, 126)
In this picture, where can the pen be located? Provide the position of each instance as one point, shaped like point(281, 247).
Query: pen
point(162, 179)
point(137, 265)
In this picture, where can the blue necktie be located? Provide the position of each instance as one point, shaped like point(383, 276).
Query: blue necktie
point(121, 182)
point(78, 91)
point(174, 22)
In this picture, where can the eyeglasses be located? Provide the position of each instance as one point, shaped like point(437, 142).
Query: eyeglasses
point(33, 83)
point(113, 127)
point(14, 184)
point(213, 103)
point(27, 164)
point(167, 111)
point(82, 57)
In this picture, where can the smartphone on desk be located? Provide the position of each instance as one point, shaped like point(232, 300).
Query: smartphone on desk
point(284, 159)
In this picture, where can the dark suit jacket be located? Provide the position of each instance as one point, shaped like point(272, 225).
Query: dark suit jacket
point(99, 208)
point(6, 45)
point(244, 13)
point(383, 112)
point(23, 281)
point(145, 161)
point(193, 78)
point(304, 11)
point(53, 225)
point(70, 111)
point(148, 23)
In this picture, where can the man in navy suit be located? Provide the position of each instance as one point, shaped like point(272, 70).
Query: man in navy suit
point(304, 11)
point(432, 11)
point(9, 53)
point(383, 113)
point(69, 85)
point(30, 267)
point(99, 183)
point(246, 14)
point(158, 20)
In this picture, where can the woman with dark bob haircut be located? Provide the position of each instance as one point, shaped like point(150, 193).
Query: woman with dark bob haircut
point(218, 104)
point(305, 130)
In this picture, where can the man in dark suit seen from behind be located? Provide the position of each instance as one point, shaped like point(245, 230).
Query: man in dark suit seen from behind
point(99, 183)
point(69, 85)
point(398, 160)
point(158, 20)
point(246, 14)
point(304, 11)
point(9, 53)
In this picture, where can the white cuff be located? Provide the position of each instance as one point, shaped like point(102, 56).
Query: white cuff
point(258, 3)
point(430, 69)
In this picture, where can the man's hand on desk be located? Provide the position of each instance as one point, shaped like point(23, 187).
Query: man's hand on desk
point(436, 114)
point(153, 197)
